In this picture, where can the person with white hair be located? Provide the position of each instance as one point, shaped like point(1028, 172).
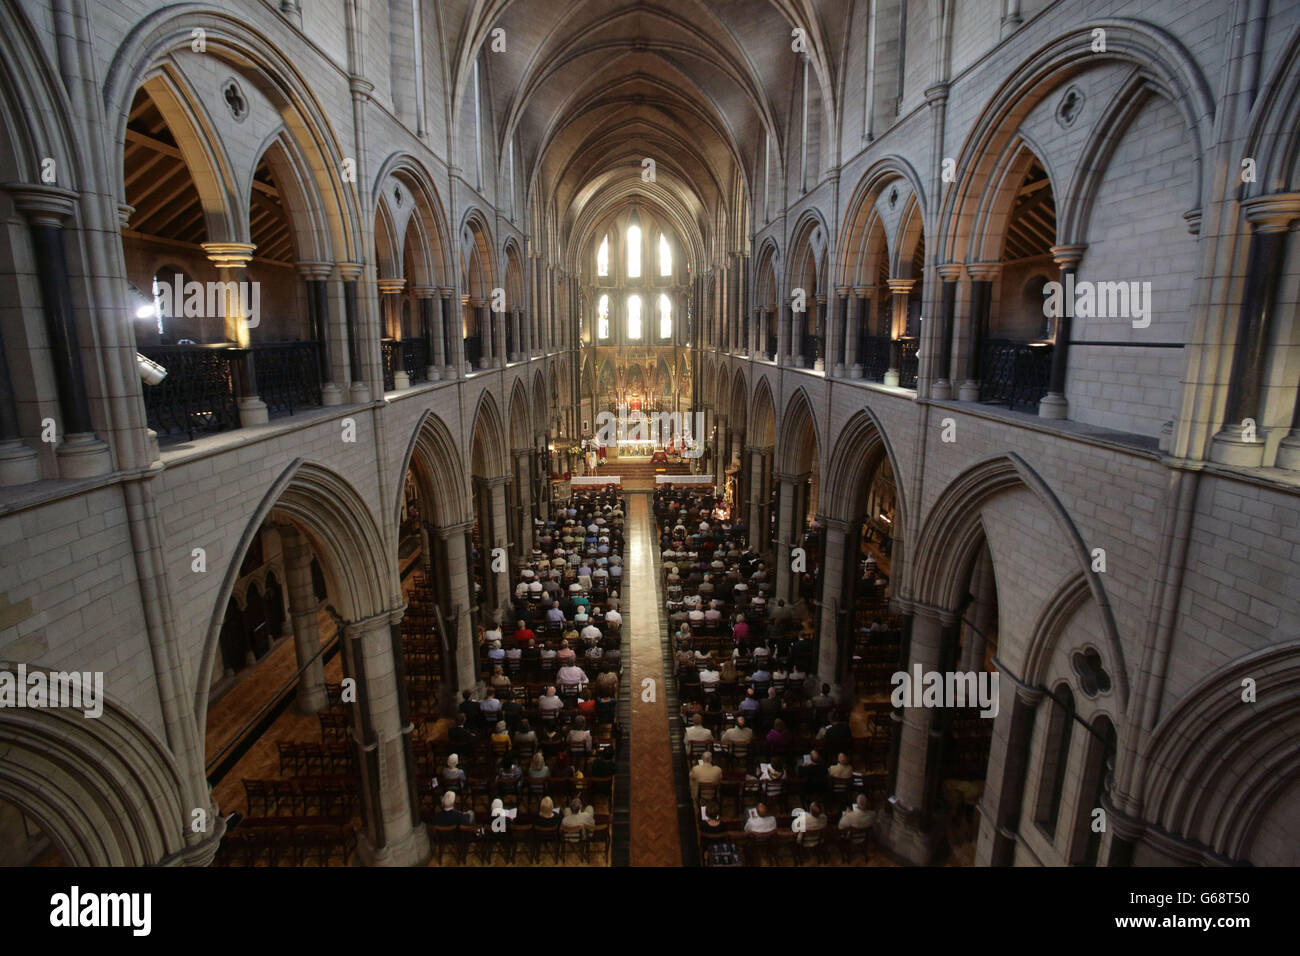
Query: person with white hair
point(449, 816)
point(858, 817)
point(452, 775)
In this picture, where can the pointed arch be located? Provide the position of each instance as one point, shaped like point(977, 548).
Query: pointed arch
point(347, 542)
point(794, 455)
point(859, 448)
point(762, 431)
point(106, 791)
point(521, 429)
point(488, 450)
point(861, 235)
point(434, 458)
point(953, 533)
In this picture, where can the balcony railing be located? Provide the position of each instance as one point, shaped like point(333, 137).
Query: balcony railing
point(874, 350)
point(391, 350)
point(199, 395)
point(415, 359)
point(473, 350)
point(810, 345)
point(1015, 374)
point(288, 376)
point(908, 364)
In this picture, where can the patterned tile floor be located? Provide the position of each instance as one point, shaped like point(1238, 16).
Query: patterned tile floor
point(654, 834)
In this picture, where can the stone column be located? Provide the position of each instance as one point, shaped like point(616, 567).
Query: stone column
point(390, 305)
point(450, 346)
point(864, 297)
point(844, 331)
point(819, 362)
point(1288, 452)
point(499, 320)
point(981, 299)
point(457, 586)
point(304, 608)
point(80, 453)
point(19, 463)
point(316, 275)
point(756, 499)
point(431, 329)
point(949, 273)
point(231, 259)
point(392, 834)
point(496, 584)
point(899, 290)
point(523, 487)
point(1053, 404)
point(798, 321)
point(835, 565)
point(789, 525)
point(911, 831)
point(1270, 218)
point(351, 272)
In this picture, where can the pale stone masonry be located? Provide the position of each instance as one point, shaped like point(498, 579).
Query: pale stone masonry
point(462, 171)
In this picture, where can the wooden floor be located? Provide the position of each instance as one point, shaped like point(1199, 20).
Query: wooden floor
point(653, 793)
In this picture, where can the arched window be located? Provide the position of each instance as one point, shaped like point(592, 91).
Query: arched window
point(634, 317)
point(602, 318)
point(665, 256)
point(665, 317)
point(1056, 757)
point(602, 258)
point(634, 252)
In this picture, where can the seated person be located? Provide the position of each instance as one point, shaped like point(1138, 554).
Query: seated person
point(842, 769)
point(489, 706)
point(524, 735)
point(704, 772)
point(449, 816)
point(580, 736)
point(814, 819)
point(760, 821)
point(576, 815)
point(547, 818)
point(549, 701)
point(858, 817)
point(696, 732)
point(537, 769)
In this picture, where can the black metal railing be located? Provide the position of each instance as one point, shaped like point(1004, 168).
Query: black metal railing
point(288, 375)
point(770, 346)
point(810, 346)
point(198, 394)
point(1015, 374)
point(473, 350)
point(415, 359)
point(874, 350)
point(391, 350)
point(908, 365)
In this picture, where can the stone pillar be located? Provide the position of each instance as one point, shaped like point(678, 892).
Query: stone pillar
point(1053, 404)
point(316, 275)
point(836, 569)
point(866, 315)
point(457, 586)
point(350, 272)
point(430, 329)
point(451, 349)
point(390, 306)
point(1270, 218)
point(496, 584)
point(819, 362)
point(1288, 452)
point(499, 320)
point(304, 608)
point(80, 453)
point(523, 485)
point(231, 259)
point(981, 299)
point(392, 834)
point(798, 321)
point(899, 290)
point(1011, 787)
point(789, 525)
point(910, 832)
point(844, 331)
point(949, 273)
point(1011, 18)
point(757, 490)
point(19, 463)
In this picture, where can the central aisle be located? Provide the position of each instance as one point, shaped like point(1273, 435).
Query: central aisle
point(653, 796)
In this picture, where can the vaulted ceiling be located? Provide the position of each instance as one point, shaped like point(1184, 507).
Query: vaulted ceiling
point(591, 88)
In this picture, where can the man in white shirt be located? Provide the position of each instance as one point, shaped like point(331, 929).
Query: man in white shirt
point(697, 731)
point(590, 634)
point(708, 675)
point(739, 734)
point(571, 674)
point(760, 821)
point(858, 817)
point(612, 617)
point(549, 701)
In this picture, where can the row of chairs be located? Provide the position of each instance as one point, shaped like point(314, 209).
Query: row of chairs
point(287, 844)
point(302, 797)
point(468, 841)
point(308, 759)
point(756, 849)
